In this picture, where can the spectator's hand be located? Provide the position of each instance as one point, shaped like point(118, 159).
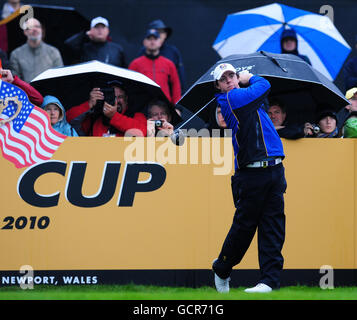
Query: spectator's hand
point(6, 75)
point(150, 128)
point(89, 33)
point(167, 128)
point(279, 127)
point(109, 110)
point(95, 95)
point(244, 77)
point(308, 129)
point(351, 108)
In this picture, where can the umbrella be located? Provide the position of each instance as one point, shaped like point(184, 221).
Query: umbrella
point(59, 24)
point(300, 87)
point(261, 28)
point(72, 84)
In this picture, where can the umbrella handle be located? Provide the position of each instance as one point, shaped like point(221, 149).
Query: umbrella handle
point(274, 60)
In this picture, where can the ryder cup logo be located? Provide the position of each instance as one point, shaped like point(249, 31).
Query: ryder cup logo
point(4, 103)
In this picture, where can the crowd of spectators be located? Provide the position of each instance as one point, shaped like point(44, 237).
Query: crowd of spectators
point(163, 63)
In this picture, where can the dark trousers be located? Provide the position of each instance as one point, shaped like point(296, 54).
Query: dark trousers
point(258, 194)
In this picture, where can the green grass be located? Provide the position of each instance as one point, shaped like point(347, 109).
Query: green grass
point(137, 292)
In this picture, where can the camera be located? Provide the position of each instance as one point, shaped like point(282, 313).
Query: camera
point(315, 129)
point(109, 97)
point(158, 123)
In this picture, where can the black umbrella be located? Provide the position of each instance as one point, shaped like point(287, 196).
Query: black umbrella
point(72, 85)
point(302, 89)
point(59, 23)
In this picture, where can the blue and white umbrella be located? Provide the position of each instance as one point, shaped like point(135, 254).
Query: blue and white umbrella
point(261, 28)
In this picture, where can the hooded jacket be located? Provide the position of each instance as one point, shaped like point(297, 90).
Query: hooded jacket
point(290, 33)
point(62, 126)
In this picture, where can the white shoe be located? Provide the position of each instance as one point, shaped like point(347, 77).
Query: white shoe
point(259, 288)
point(222, 285)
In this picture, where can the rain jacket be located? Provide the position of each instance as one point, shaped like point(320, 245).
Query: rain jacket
point(290, 33)
point(350, 73)
point(34, 96)
point(254, 137)
point(170, 52)
point(118, 125)
point(62, 126)
point(162, 71)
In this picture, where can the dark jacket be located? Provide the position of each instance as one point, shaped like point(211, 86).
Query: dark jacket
point(254, 137)
point(4, 60)
point(350, 73)
point(292, 131)
point(290, 33)
point(83, 49)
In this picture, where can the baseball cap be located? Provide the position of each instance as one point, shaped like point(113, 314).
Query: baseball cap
point(159, 24)
point(152, 32)
point(350, 93)
point(99, 20)
point(222, 68)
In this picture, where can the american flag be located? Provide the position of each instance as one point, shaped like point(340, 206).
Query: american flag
point(29, 138)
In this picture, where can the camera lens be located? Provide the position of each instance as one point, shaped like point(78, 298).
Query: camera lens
point(158, 123)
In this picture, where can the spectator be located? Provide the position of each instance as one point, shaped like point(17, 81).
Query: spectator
point(35, 56)
point(349, 129)
point(350, 71)
point(34, 96)
point(5, 64)
point(108, 120)
point(158, 68)
point(10, 6)
point(168, 50)
point(277, 114)
point(289, 44)
point(95, 45)
point(343, 114)
point(57, 115)
point(216, 122)
point(327, 122)
point(159, 119)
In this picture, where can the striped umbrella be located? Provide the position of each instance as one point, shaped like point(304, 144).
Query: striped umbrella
point(261, 28)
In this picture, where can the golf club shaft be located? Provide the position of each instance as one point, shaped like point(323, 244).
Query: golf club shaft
point(194, 115)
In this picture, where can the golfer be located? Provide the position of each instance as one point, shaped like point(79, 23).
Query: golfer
point(258, 185)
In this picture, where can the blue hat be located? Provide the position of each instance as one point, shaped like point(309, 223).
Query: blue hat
point(288, 33)
point(159, 24)
point(152, 33)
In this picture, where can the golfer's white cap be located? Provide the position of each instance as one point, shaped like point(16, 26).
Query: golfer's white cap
point(222, 68)
point(99, 20)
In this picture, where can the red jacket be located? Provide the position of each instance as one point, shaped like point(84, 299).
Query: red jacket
point(119, 121)
point(163, 72)
point(34, 96)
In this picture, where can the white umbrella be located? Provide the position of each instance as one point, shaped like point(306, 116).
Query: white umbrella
point(72, 84)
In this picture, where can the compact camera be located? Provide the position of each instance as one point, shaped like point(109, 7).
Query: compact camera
point(315, 129)
point(158, 123)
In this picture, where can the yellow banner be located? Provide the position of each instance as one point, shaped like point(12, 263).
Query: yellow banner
point(119, 203)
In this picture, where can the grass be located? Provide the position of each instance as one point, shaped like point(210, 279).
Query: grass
point(137, 292)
